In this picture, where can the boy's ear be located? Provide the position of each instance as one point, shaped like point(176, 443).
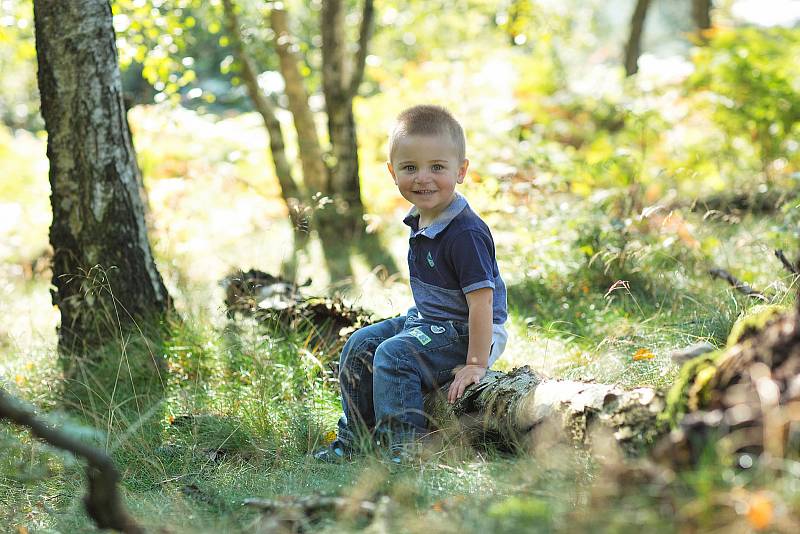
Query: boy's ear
point(391, 171)
point(462, 170)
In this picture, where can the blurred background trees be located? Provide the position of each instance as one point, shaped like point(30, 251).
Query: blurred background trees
point(540, 86)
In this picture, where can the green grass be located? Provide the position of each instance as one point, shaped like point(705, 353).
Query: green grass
point(237, 409)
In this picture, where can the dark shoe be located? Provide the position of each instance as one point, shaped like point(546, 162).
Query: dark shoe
point(405, 454)
point(335, 453)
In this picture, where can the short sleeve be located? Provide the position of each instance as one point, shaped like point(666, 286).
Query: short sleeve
point(472, 258)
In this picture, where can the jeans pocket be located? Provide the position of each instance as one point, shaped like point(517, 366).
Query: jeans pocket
point(459, 329)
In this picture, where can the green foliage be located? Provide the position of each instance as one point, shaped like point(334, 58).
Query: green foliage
point(19, 103)
point(590, 211)
point(753, 88)
point(522, 513)
point(164, 45)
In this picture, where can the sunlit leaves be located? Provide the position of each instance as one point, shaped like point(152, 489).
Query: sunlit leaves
point(753, 87)
point(153, 33)
point(18, 95)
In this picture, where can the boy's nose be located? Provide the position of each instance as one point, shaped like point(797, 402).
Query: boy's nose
point(423, 175)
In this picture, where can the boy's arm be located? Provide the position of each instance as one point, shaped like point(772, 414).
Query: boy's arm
point(480, 342)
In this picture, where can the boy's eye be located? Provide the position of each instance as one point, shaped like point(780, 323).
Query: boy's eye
point(438, 167)
point(410, 168)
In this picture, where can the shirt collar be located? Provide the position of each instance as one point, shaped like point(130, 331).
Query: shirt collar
point(440, 223)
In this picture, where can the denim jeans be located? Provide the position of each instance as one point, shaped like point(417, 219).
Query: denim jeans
point(385, 369)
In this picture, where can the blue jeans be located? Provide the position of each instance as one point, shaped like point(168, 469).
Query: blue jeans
point(385, 369)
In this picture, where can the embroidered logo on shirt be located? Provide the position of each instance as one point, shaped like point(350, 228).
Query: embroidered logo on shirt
point(436, 329)
point(421, 336)
point(430, 259)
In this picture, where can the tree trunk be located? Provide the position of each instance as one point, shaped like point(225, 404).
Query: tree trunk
point(293, 197)
point(315, 174)
point(342, 222)
point(103, 267)
point(633, 47)
point(340, 83)
point(341, 77)
point(701, 15)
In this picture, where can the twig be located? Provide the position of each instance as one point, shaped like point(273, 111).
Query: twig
point(310, 505)
point(737, 284)
point(102, 500)
point(794, 269)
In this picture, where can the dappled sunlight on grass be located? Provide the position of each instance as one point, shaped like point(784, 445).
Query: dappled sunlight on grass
point(591, 201)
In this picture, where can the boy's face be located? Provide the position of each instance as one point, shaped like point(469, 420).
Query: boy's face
point(426, 169)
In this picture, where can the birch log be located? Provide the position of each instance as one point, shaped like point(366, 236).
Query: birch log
point(512, 410)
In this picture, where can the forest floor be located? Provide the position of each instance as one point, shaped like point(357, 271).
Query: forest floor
point(600, 288)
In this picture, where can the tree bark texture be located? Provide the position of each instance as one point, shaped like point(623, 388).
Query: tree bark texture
point(633, 47)
point(293, 196)
point(315, 174)
point(341, 76)
point(521, 411)
point(744, 398)
point(103, 267)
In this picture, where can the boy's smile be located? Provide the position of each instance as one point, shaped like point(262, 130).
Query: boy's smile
point(426, 169)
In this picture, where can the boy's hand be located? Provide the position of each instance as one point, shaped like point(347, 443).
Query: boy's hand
point(466, 376)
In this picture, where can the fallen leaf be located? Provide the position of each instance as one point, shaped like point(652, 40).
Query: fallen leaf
point(759, 511)
point(643, 354)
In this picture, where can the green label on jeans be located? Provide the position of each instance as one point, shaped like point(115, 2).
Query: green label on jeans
point(421, 336)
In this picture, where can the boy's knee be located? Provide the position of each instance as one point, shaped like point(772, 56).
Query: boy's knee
point(390, 358)
point(356, 359)
point(352, 346)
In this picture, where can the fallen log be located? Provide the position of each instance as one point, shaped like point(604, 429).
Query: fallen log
point(745, 396)
point(717, 393)
point(278, 304)
point(514, 411)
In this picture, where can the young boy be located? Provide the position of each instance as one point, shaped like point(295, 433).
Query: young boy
point(455, 329)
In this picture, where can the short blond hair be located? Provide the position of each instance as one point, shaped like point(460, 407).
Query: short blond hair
point(426, 119)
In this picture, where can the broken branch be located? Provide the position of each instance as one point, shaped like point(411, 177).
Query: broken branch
point(102, 499)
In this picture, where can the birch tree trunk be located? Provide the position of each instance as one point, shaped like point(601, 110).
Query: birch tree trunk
point(633, 47)
point(103, 268)
point(522, 411)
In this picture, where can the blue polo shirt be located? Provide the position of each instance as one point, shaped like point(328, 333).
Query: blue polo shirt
point(449, 258)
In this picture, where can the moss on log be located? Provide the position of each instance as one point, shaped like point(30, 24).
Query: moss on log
point(747, 394)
